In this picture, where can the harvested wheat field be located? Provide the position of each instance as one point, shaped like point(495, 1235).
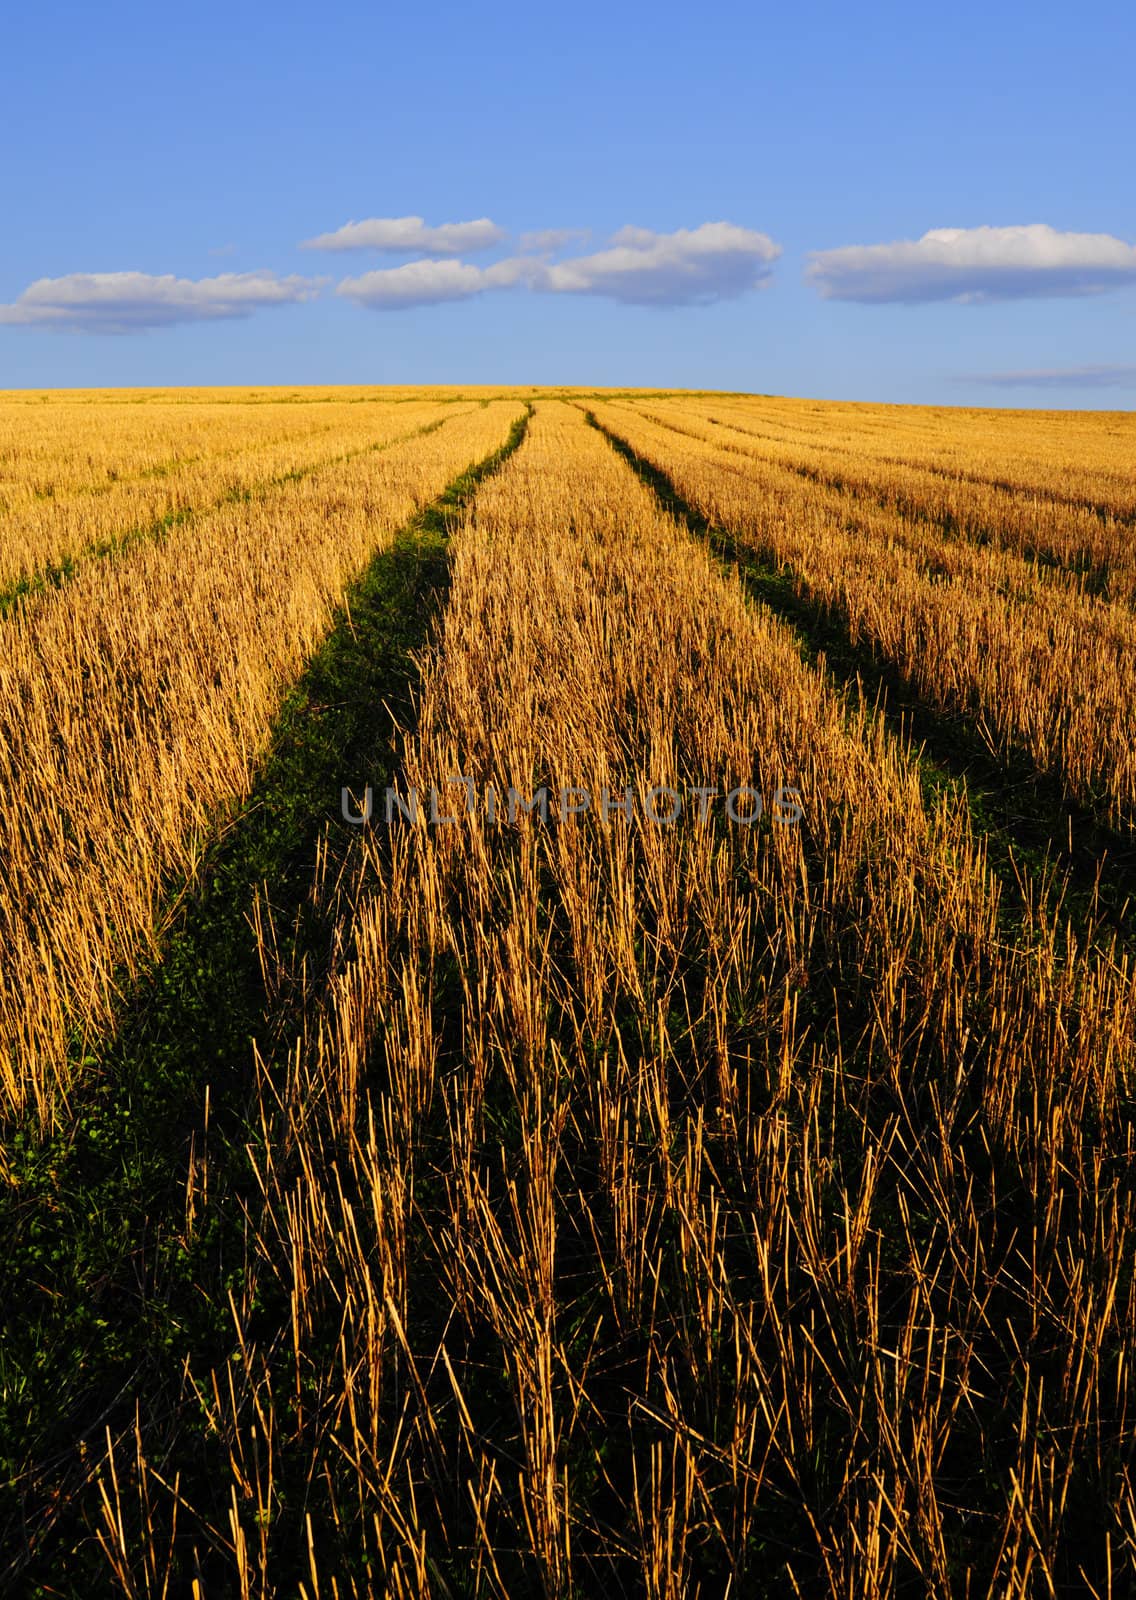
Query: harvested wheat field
point(568, 1023)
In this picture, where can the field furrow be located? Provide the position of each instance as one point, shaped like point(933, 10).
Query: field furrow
point(650, 1205)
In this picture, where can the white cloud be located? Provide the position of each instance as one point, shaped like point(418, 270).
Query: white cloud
point(691, 266)
point(404, 235)
point(546, 240)
point(1102, 377)
point(126, 302)
point(427, 283)
point(975, 265)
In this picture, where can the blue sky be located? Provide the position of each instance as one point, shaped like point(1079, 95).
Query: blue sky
point(210, 142)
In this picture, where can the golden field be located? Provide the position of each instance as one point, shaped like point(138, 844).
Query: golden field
point(619, 1202)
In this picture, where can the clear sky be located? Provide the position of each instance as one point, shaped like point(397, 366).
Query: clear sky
point(737, 197)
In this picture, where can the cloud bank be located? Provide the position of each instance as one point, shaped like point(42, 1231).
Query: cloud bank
point(126, 302)
point(703, 265)
point(975, 265)
point(1102, 377)
point(692, 266)
point(405, 235)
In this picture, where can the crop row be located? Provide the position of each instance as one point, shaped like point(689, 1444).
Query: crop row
point(1044, 670)
point(45, 532)
point(134, 705)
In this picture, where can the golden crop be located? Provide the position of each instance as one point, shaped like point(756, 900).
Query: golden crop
point(604, 1206)
point(1079, 524)
point(68, 490)
point(135, 701)
point(1045, 667)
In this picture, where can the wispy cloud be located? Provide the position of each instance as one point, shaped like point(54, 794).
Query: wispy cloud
point(406, 235)
point(127, 302)
point(428, 283)
point(546, 240)
point(692, 266)
point(1102, 377)
point(976, 265)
